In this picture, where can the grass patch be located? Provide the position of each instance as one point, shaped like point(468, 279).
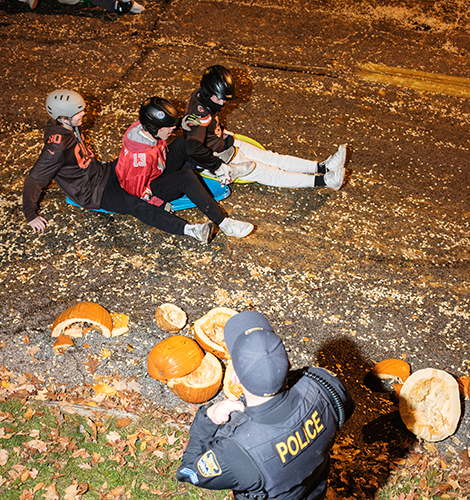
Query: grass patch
point(49, 452)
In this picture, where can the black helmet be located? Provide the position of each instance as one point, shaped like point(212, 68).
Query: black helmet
point(218, 81)
point(156, 113)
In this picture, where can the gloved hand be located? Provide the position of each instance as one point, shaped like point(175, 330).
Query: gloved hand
point(189, 121)
point(223, 174)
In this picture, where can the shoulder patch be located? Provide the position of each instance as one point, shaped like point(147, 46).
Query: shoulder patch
point(208, 465)
point(191, 474)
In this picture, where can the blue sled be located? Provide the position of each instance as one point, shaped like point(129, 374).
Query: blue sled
point(218, 191)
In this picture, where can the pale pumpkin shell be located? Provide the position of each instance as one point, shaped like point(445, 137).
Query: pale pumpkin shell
point(120, 324)
point(170, 318)
point(429, 404)
point(201, 384)
point(209, 331)
point(83, 312)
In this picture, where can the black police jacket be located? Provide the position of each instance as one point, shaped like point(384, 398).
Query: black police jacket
point(276, 450)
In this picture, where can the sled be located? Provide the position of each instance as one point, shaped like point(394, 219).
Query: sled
point(218, 191)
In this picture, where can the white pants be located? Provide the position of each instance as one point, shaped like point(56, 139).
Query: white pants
point(273, 169)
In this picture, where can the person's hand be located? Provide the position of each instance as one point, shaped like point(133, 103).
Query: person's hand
point(38, 224)
point(189, 121)
point(220, 412)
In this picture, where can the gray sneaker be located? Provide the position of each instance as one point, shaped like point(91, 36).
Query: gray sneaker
point(336, 161)
point(334, 180)
point(202, 232)
point(227, 155)
point(136, 8)
point(241, 169)
point(236, 228)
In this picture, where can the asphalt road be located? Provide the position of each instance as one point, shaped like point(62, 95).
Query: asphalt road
point(376, 270)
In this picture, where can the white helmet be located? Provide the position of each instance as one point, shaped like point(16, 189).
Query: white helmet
point(64, 103)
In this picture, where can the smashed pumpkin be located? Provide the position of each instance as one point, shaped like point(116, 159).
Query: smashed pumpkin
point(174, 356)
point(464, 386)
point(231, 390)
point(72, 319)
point(201, 384)
point(392, 369)
point(209, 331)
point(430, 404)
point(62, 343)
point(170, 318)
point(120, 324)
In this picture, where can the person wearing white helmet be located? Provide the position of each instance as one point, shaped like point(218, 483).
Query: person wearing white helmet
point(213, 148)
point(66, 160)
point(116, 6)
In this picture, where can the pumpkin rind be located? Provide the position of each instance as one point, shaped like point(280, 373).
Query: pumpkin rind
point(83, 312)
point(209, 331)
point(201, 384)
point(392, 369)
point(430, 404)
point(464, 386)
point(170, 318)
point(174, 356)
point(231, 390)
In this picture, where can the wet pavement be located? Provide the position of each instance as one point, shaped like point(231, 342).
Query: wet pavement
point(376, 270)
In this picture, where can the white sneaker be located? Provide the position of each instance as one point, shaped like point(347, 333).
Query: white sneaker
point(136, 8)
point(227, 155)
point(200, 232)
point(236, 228)
point(334, 180)
point(241, 169)
point(69, 2)
point(336, 161)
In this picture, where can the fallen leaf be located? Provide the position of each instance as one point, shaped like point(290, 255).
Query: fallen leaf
point(51, 492)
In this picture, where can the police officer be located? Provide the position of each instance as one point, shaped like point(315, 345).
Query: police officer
point(273, 443)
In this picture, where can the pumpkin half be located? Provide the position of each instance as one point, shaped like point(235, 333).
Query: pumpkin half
point(209, 331)
point(392, 369)
point(84, 312)
point(170, 318)
point(231, 390)
point(201, 384)
point(174, 356)
point(430, 404)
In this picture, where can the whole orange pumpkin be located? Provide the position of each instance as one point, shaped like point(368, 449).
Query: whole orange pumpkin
point(174, 356)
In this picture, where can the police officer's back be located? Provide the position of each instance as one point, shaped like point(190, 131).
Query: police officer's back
point(275, 443)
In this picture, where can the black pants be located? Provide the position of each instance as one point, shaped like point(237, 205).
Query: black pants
point(116, 199)
point(179, 179)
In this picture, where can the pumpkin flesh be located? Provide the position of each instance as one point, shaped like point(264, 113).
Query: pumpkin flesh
point(231, 390)
point(430, 404)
